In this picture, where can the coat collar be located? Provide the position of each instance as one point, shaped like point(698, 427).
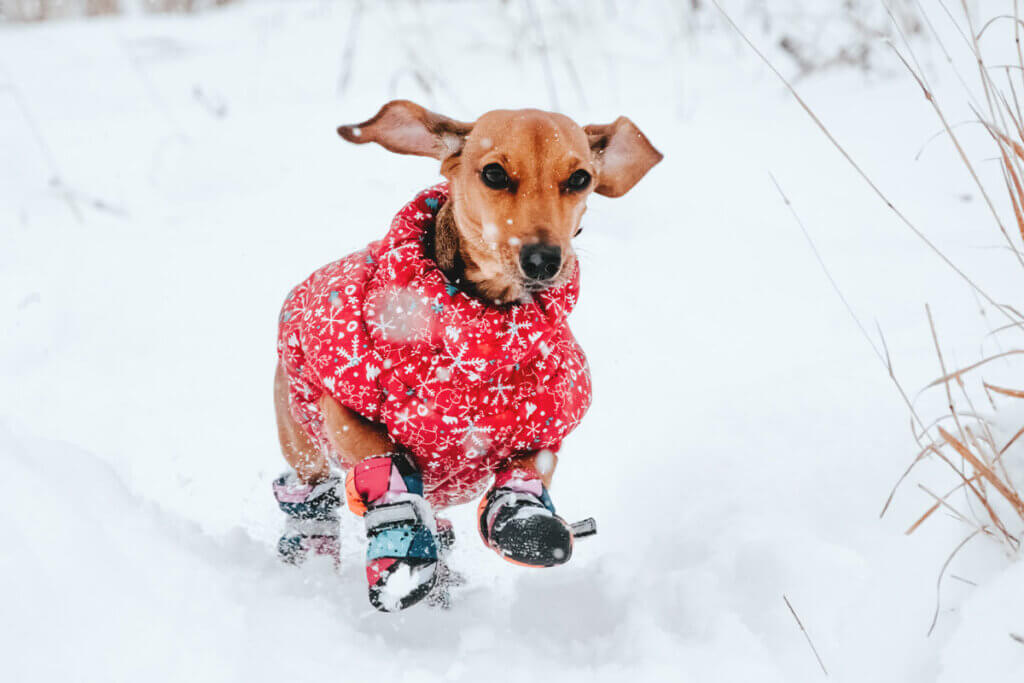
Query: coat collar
point(466, 325)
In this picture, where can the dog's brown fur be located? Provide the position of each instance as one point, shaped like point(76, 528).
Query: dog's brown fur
point(480, 231)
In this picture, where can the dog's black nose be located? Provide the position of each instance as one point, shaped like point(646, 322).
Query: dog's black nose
point(540, 261)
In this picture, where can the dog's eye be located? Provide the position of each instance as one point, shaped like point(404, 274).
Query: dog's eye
point(578, 180)
point(494, 177)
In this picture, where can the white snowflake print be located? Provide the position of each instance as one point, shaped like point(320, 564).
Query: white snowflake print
point(499, 389)
point(459, 362)
point(475, 438)
point(354, 358)
point(514, 329)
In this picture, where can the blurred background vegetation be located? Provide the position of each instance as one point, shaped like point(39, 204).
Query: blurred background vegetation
point(814, 34)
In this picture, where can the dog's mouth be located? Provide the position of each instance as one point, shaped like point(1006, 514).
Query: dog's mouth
point(535, 286)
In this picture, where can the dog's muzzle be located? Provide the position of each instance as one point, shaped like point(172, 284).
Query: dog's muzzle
point(540, 262)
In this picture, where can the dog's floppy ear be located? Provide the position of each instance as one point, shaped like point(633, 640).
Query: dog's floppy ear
point(407, 128)
point(622, 155)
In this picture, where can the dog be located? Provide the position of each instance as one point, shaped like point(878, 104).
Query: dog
point(440, 357)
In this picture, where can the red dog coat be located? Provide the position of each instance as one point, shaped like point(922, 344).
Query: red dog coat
point(462, 384)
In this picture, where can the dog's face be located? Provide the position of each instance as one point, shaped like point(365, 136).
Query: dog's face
point(519, 183)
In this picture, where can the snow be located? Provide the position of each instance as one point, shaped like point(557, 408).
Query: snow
point(402, 581)
point(743, 438)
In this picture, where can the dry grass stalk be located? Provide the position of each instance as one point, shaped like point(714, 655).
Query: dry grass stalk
point(1001, 108)
point(975, 485)
point(982, 455)
point(1004, 391)
point(974, 450)
point(938, 583)
point(940, 501)
point(1008, 311)
point(975, 366)
point(1009, 443)
point(806, 635)
point(1004, 488)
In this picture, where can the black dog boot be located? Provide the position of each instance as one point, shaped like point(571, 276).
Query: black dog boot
point(518, 521)
point(312, 524)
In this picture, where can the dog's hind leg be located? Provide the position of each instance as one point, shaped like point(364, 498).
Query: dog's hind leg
point(305, 456)
point(307, 493)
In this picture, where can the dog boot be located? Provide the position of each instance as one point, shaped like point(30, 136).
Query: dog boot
point(402, 554)
point(518, 521)
point(312, 524)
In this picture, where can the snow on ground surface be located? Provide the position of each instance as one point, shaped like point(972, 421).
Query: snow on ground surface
point(743, 436)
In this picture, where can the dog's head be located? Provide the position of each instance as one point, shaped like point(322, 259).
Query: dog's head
point(519, 184)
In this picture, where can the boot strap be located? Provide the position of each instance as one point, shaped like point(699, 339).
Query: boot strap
point(392, 514)
point(310, 527)
point(522, 503)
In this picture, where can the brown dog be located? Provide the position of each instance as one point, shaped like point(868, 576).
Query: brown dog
point(439, 358)
point(519, 186)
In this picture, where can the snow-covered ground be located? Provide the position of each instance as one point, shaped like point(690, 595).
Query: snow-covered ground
point(165, 181)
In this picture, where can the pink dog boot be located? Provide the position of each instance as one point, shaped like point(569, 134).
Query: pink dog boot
point(312, 525)
point(518, 521)
point(402, 554)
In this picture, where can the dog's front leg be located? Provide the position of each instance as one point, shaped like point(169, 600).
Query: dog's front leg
point(539, 464)
point(517, 518)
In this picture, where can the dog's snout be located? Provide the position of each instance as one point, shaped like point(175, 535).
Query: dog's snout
point(540, 261)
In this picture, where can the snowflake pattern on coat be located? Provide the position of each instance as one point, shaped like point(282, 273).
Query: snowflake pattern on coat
point(464, 385)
